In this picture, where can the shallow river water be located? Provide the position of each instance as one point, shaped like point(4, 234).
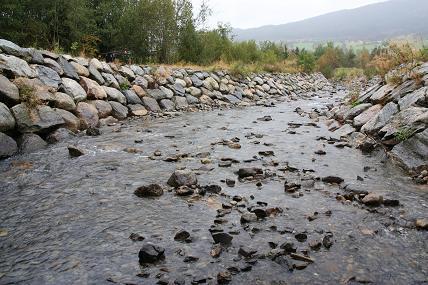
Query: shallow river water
point(68, 220)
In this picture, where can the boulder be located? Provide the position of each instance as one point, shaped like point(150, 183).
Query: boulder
point(64, 101)
point(204, 99)
point(412, 119)
point(381, 95)
point(11, 48)
point(127, 72)
point(180, 102)
point(197, 82)
point(192, 100)
point(68, 69)
point(92, 89)
point(141, 81)
point(150, 253)
point(49, 62)
point(39, 119)
point(345, 130)
point(119, 111)
point(110, 80)
point(137, 110)
point(196, 92)
point(30, 143)
point(157, 94)
point(138, 90)
point(72, 123)
point(8, 146)
point(48, 76)
point(95, 74)
point(114, 95)
point(132, 97)
point(61, 134)
point(412, 153)
point(182, 178)
point(365, 116)
point(168, 92)
point(355, 111)
point(380, 119)
point(167, 105)
point(372, 199)
point(104, 108)
point(80, 69)
point(73, 89)
point(7, 121)
point(210, 84)
point(418, 97)
point(231, 99)
point(151, 104)
point(88, 115)
point(9, 93)
point(16, 66)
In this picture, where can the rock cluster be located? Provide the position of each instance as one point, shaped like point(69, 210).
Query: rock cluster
point(41, 91)
point(395, 116)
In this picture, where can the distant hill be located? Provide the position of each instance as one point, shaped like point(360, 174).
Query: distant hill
point(371, 23)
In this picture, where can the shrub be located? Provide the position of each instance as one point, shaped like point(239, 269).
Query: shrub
point(124, 86)
point(403, 134)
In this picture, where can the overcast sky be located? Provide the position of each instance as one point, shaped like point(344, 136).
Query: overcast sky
point(255, 13)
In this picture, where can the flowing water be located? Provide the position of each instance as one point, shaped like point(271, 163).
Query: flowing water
point(68, 220)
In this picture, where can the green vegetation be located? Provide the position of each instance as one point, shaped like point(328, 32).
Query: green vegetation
point(124, 86)
point(168, 32)
point(27, 95)
point(403, 134)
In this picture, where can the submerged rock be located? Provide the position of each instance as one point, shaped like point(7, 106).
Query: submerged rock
point(152, 190)
point(150, 253)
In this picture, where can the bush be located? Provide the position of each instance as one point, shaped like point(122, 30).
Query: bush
point(346, 74)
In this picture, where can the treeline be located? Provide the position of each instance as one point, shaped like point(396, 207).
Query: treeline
point(168, 31)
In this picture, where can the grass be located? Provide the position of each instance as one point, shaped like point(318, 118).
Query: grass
point(403, 134)
point(124, 86)
point(28, 96)
point(345, 73)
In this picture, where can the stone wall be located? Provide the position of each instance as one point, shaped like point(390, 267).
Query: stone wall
point(47, 97)
point(392, 116)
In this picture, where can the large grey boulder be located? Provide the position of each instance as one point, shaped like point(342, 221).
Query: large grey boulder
point(412, 119)
point(131, 97)
point(92, 88)
point(157, 94)
point(95, 74)
point(49, 62)
point(168, 92)
point(30, 143)
point(127, 72)
point(103, 107)
point(71, 122)
point(365, 116)
point(180, 102)
point(73, 89)
point(418, 97)
point(110, 80)
point(11, 48)
point(88, 115)
point(36, 119)
point(231, 99)
point(192, 100)
point(7, 121)
point(80, 69)
point(141, 81)
point(8, 146)
point(115, 95)
point(48, 76)
point(68, 69)
point(167, 105)
point(119, 111)
point(197, 82)
point(16, 66)
point(9, 93)
point(413, 153)
point(356, 110)
point(64, 101)
point(381, 95)
point(380, 119)
point(151, 104)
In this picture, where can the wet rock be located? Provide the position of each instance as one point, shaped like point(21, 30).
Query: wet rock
point(315, 244)
point(248, 172)
point(327, 241)
point(182, 178)
point(265, 118)
point(136, 237)
point(291, 187)
point(332, 179)
point(224, 277)
point(222, 238)
point(301, 257)
point(74, 151)
point(422, 224)
point(189, 259)
point(8, 146)
point(40, 119)
point(216, 250)
point(182, 235)
point(260, 213)
point(301, 237)
point(230, 183)
point(246, 251)
point(88, 115)
point(59, 135)
point(216, 189)
point(150, 253)
point(412, 153)
point(248, 218)
point(151, 104)
point(266, 153)
point(152, 190)
point(320, 152)
point(184, 191)
point(288, 247)
point(372, 199)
